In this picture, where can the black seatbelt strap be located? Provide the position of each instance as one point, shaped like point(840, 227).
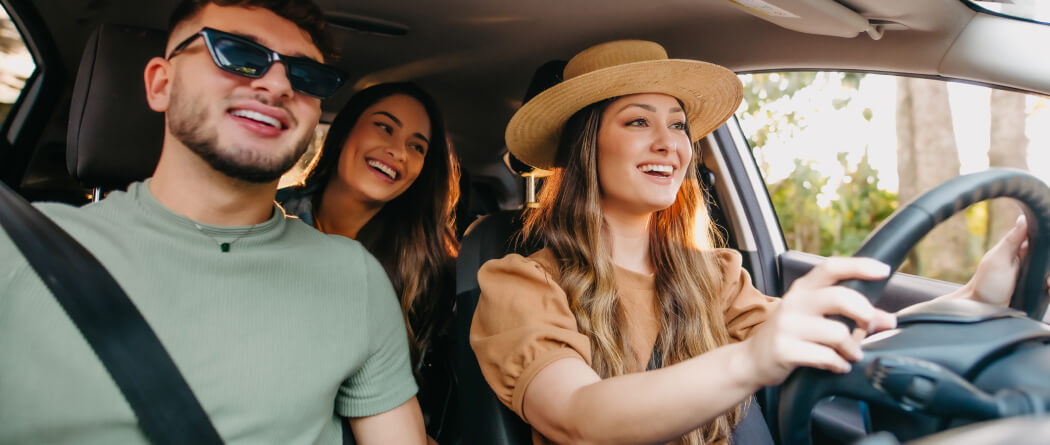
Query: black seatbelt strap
point(163, 402)
point(656, 358)
point(750, 429)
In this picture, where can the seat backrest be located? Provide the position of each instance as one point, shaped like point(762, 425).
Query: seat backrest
point(114, 138)
point(485, 420)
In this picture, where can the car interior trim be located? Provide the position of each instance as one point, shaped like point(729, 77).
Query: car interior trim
point(727, 195)
point(29, 114)
point(764, 273)
point(1012, 66)
point(769, 216)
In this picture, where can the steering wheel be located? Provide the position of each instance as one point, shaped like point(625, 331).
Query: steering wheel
point(936, 337)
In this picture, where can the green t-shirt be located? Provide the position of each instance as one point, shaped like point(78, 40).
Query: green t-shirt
point(275, 337)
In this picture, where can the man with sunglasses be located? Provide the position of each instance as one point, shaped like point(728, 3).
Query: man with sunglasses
point(280, 331)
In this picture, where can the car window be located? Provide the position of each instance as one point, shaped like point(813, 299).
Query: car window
point(16, 64)
point(840, 152)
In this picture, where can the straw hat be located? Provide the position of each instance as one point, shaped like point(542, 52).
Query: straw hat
point(710, 93)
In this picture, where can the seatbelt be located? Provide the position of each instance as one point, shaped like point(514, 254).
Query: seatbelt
point(751, 429)
point(163, 402)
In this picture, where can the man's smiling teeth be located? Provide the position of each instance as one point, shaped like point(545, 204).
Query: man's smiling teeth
point(662, 169)
point(383, 168)
point(258, 117)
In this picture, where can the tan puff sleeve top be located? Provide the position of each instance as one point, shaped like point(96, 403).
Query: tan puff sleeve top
point(523, 322)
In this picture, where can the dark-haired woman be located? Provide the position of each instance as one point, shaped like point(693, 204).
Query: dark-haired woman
point(387, 178)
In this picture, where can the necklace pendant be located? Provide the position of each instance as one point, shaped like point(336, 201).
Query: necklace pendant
point(225, 247)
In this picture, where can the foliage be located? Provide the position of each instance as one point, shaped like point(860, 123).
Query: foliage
point(829, 213)
point(13, 61)
point(10, 39)
point(861, 207)
point(795, 201)
point(763, 89)
point(838, 229)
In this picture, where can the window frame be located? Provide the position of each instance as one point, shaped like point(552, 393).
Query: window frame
point(29, 114)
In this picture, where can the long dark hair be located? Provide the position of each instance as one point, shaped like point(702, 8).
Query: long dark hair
point(413, 235)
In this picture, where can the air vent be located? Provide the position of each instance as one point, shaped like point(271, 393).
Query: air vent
point(367, 25)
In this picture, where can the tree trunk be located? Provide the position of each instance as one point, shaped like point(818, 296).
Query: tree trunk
point(1008, 148)
point(926, 157)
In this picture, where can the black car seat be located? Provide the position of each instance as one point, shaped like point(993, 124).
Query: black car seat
point(114, 138)
point(485, 420)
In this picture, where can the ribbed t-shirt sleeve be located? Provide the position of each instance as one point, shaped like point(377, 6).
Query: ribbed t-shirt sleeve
point(522, 324)
point(11, 261)
point(385, 380)
point(745, 306)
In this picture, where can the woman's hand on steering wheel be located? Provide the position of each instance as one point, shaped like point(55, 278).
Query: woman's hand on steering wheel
point(996, 275)
point(799, 333)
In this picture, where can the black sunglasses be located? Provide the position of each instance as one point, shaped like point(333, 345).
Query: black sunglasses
point(244, 57)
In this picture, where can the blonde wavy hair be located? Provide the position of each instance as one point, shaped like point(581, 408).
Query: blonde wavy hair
point(687, 271)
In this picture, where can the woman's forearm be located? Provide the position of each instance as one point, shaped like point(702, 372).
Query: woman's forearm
point(650, 407)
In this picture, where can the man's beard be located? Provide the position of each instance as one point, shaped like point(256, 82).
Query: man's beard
point(186, 118)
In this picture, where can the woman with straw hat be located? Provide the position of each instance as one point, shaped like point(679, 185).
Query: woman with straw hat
point(625, 285)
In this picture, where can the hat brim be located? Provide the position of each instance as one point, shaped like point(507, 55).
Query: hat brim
point(710, 93)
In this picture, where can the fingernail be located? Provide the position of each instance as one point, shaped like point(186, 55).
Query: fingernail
point(1020, 219)
point(846, 369)
point(878, 268)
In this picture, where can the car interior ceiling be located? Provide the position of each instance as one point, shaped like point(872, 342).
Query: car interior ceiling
point(478, 72)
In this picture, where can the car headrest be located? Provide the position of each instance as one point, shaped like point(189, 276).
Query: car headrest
point(547, 75)
point(114, 138)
